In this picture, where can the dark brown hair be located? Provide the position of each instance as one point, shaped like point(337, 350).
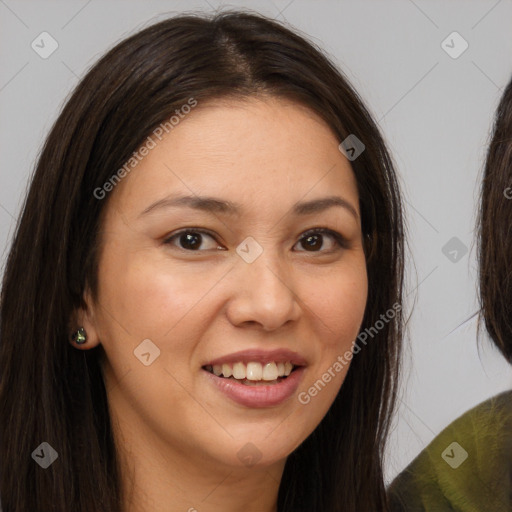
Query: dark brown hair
point(495, 230)
point(51, 392)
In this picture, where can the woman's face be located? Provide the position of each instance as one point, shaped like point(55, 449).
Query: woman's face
point(206, 266)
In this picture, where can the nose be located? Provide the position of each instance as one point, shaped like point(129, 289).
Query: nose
point(263, 294)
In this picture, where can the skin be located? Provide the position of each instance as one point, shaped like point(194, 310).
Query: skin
point(177, 434)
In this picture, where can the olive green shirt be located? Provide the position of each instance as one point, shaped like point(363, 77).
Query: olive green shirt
point(466, 468)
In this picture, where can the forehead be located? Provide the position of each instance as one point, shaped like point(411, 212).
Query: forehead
point(256, 151)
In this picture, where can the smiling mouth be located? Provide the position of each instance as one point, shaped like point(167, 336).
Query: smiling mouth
point(253, 373)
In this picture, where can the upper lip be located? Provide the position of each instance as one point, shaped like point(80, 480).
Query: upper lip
point(260, 356)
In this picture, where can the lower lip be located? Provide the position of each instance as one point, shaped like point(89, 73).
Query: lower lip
point(260, 395)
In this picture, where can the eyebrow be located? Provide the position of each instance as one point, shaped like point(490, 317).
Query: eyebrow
point(216, 205)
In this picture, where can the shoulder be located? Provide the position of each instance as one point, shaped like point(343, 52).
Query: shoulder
point(466, 467)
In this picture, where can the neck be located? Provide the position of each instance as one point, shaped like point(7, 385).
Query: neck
point(158, 477)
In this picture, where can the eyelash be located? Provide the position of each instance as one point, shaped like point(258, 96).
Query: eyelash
point(339, 239)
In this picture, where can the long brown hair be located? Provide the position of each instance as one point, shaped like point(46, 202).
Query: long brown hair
point(51, 392)
point(495, 230)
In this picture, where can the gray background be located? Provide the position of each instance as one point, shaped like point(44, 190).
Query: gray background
point(435, 112)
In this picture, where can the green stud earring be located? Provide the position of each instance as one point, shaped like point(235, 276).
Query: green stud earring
point(79, 336)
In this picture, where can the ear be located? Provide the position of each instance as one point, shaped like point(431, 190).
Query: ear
point(85, 318)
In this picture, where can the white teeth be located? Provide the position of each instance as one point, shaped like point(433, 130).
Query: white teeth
point(239, 371)
point(226, 370)
point(270, 371)
point(253, 371)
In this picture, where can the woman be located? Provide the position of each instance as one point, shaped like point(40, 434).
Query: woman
point(213, 219)
point(468, 466)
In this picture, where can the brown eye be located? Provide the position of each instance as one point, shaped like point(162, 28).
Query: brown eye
point(191, 240)
point(313, 240)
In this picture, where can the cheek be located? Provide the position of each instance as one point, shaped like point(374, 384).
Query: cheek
point(149, 296)
point(339, 303)
point(338, 306)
